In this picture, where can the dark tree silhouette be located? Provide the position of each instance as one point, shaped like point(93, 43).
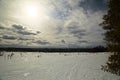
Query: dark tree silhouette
point(113, 64)
point(111, 24)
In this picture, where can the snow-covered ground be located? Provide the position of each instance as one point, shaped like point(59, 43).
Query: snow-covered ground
point(54, 66)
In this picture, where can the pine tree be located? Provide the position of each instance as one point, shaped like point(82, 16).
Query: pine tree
point(111, 24)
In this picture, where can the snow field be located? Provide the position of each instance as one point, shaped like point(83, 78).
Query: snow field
point(54, 66)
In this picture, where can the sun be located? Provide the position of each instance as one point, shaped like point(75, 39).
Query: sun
point(32, 11)
point(33, 15)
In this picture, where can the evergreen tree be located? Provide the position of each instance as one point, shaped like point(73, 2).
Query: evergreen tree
point(111, 24)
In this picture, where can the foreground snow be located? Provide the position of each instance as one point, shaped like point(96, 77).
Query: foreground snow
point(54, 66)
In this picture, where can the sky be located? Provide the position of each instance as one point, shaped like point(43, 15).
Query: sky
point(52, 23)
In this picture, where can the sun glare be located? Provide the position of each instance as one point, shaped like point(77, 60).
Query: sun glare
point(32, 11)
point(33, 15)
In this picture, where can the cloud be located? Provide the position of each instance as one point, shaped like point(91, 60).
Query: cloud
point(38, 32)
point(59, 30)
point(22, 30)
point(85, 26)
point(68, 22)
point(24, 39)
point(93, 5)
point(14, 45)
point(83, 41)
point(9, 37)
point(75, 30)
point(63, 41)
point(62, 9)
point(1, 27)
point(78, 33)
point(41, 42)
point(26, 33)
point(18, 27)
point(18, 35)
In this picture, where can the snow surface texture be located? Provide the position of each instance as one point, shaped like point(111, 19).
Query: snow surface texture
point(54, 66)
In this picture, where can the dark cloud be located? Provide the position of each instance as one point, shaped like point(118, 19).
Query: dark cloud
point(83, 41)
point(18, 27)
point(22, 30)
point(26, 33)
point(63, 41)
point(9, 37)
point(13, 45)
point(93, 5)
point(24, 39)
point(1, 27)
point(79, 31)
point(38, 32)
point(75, 30)
point(42, 42)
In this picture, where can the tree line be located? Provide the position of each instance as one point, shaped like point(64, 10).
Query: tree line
point(94, 49)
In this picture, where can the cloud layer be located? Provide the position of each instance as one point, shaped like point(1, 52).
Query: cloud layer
point(66, 23)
